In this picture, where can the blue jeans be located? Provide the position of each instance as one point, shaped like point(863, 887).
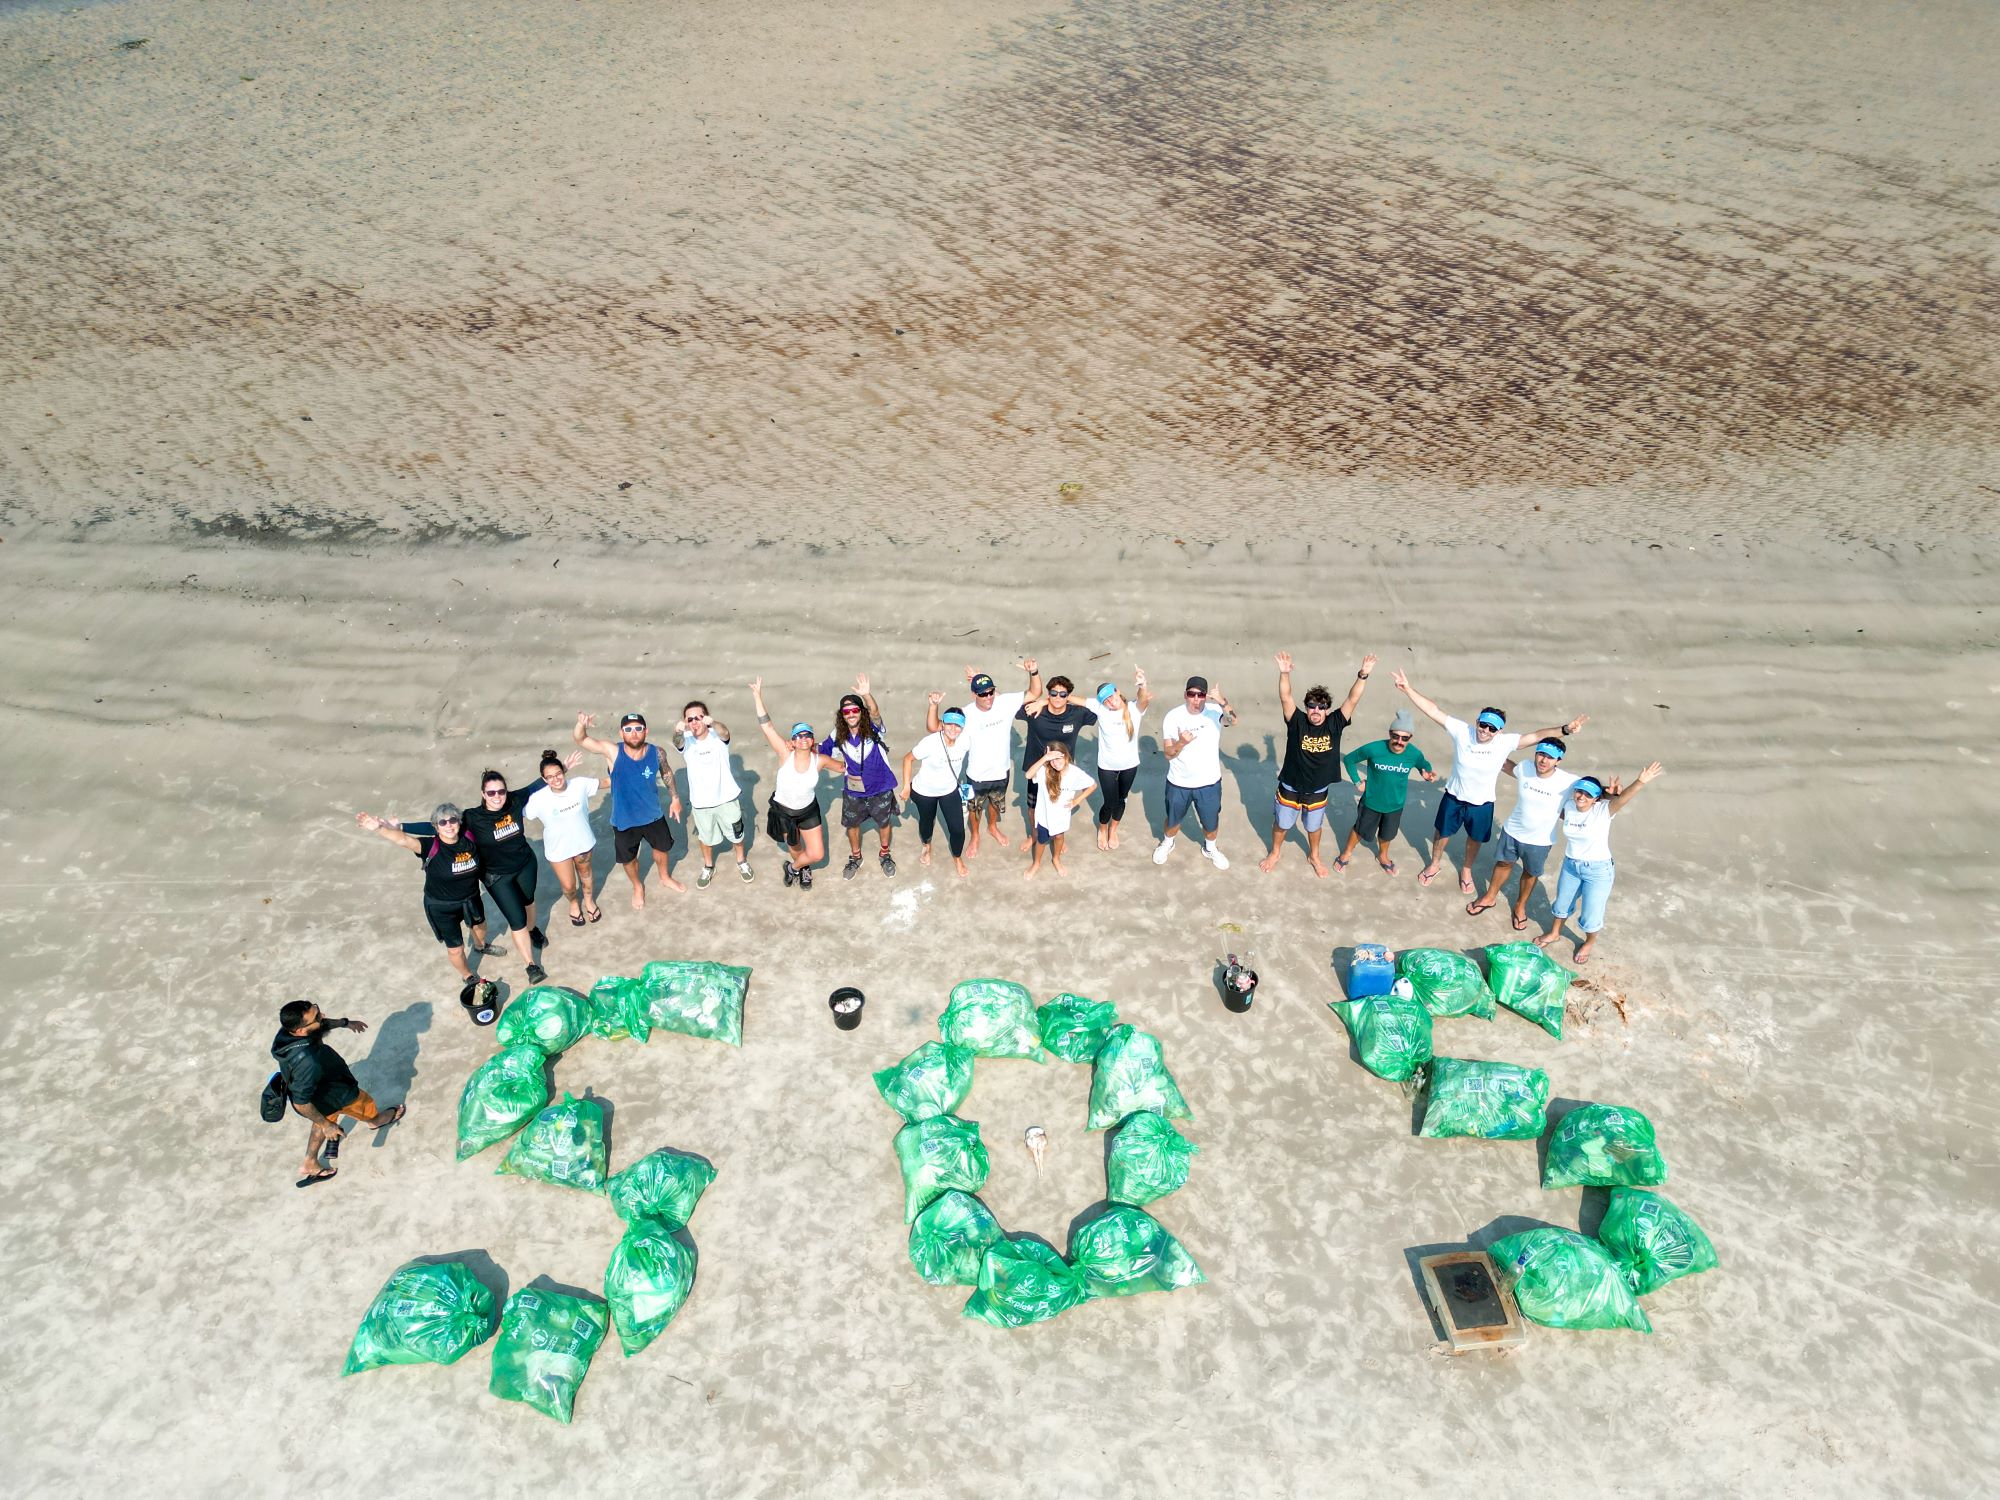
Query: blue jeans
point(1205, 800)
point(1589, 880)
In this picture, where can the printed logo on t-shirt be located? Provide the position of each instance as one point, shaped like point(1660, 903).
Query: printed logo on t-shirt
point(1316, 744)
point(463, 864)
point(505, 828)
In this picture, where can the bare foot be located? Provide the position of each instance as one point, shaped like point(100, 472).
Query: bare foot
point(1000, 838)
point(638, 898)
point(1114, 838)
point(959, 865)
point(1057, 865)
point(1029, 873)
point(1319, 868)
point(925, 857)
point(673, 885)
point(1582, 954)
point(1102, 841)
point(1268, 864)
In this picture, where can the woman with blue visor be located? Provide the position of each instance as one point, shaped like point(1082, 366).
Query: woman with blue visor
point(1584, 886)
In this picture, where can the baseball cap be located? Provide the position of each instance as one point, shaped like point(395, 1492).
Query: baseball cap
point(981, 685)
point(639, 719)
point(1492, 718)
point(952, 716)
point(1197, 685)
point(1105, 690)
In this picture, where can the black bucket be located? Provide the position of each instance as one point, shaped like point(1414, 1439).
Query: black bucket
point(481, 1002)
point(846, 1003)
point(1235, 998)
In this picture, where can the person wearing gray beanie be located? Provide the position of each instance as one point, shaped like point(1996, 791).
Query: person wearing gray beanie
point(1381, 772)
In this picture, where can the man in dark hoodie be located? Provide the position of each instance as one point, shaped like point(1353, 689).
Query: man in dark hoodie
point(320, 1085)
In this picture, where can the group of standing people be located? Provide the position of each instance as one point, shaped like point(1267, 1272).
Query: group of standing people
point(958, 778)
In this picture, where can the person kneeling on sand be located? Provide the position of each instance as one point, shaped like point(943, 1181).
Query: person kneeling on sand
point(320, 1086)
point(1381, 772)
point(1060, 784)
point(713, 795)
point(1191, 734)
point(794, 817)
point(1584, 886)
point(636, 774)
point(1530, 829)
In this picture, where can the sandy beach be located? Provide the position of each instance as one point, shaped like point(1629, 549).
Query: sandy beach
point(381, 386)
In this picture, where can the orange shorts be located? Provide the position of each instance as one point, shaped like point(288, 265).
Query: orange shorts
point(361, 1107)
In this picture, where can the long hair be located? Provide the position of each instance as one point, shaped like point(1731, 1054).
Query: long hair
point(864, 730)
point(1052, 774)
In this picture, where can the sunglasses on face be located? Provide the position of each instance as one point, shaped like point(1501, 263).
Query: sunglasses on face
point(850, 713)
point(1058, 692)
point(448, 823)
point(494, 791)
point(1399, 739)
point(1193, 694)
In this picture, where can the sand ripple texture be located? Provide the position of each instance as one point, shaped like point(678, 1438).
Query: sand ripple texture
point(717, 272)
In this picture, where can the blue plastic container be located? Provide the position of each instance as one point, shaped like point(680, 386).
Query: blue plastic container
point(1372, 972)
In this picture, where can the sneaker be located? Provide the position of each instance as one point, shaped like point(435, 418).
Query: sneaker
point(536, 973)
point(1160, 854)
point(537, 938)
point(791, 874)
point(888, 865)
point(743, 869)
point(1215, 856)
point(806, 879)
point(853, 864)
point(707, 874)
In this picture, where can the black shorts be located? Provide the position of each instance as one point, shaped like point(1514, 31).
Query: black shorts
point(625, 842)
point(1378, 827)
point(787, 825)
point(858, 812)
point(513, 891)
point(450, 919)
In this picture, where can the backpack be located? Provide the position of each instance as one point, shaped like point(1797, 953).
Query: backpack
point(276, 1097)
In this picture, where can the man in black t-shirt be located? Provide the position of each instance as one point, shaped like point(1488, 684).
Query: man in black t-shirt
point(1312, 760)
point(1051, 721)
point(319, 1084)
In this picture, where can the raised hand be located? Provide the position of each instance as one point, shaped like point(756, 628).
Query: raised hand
point(757, 688)
point(970, 673)
point(586, 721)
point(934, 699)
point(1030, 665)
point(368, 821)
point(1650, 772)
point(861, 684)
point(1402, 682)
point(1284, 660)
point(1367, 663)
point(1575, 724)
point(574, 757)
point(1138, 676)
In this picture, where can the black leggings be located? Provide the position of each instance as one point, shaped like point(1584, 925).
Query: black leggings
point(928, 809)
point(514, 893)
point(1116, 786)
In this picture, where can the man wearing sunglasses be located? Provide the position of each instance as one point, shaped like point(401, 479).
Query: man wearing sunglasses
point(714, 796)
point(1530, 830)
point(1381, 772)
point(988, 744)
point(1480, 750)
point(1050, 722)
point(1312, 759)
point(1191, 734)
point(636, 776)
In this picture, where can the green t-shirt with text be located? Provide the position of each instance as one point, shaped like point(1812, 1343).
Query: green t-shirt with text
point(1387, 773)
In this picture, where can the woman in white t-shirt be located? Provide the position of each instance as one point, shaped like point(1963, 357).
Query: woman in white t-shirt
point(935, 785)
point(1064, 785)
point(1584, 886)
point(562, 807)
point(1117, 751)
point(794, 818)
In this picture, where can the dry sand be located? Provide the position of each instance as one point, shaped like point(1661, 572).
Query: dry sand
point(1634, 361)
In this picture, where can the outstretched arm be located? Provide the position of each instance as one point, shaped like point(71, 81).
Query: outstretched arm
point(584, 738)
point(396, 836)
point(867, 697)
point(1285, 683)
point(1145, 697)
point(1622, 794)
point(1034, 671)
point(1423, 705)
point(1360, 686)
point(771, 736)
point(1564, 730)
point(932, 723)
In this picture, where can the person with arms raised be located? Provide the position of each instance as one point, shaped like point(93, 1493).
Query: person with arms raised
point(637, 772)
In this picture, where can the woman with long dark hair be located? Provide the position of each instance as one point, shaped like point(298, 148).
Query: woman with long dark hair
point(862, 751)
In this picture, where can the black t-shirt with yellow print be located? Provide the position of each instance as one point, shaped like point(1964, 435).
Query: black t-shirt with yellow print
point(1312, 752)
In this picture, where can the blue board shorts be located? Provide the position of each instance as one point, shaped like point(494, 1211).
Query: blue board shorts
point(1476, 819)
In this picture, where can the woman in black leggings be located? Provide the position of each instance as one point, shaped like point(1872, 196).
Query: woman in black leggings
point(933, 782)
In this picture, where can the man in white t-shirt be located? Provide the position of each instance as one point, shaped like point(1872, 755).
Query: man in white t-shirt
point(1482, 748)
point(988, 743)
point(715, 805)
point(1191, 734)
point(1530, 830)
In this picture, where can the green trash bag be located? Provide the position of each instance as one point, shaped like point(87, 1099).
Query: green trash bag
point(931, 1081)
point(564, 1144)
point(665, 1185)
point(1603, 1145)
point(1023, 1282)
point(1128, 1251)
point(614, 1001)
point(547, 1017)
point(1448, 983)
point(546, 1342)
point(950, 1238)
point(646, 1282)
point(1148, 1160)
point(697, 999)
point(1392, 1033)
point(1074, 1028)
point(1128, 1074)
point(1562, 1279)
point(1529, 983)
point(1495, 1101)
point(936, 1155)
point(424, 1315)
point(505, 1092)
point(992, 1017)
point(1654, 1241)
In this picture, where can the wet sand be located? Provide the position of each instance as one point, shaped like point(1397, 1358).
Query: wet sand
point(1637, 364)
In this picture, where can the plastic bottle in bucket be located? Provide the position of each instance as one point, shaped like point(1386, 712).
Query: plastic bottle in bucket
point(846, 1003)
point(481, 999)
point(1239, 985)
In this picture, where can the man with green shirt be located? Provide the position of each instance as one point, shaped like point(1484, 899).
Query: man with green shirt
point(1382, 771)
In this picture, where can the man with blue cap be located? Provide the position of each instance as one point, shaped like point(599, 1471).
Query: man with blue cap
point(1530, 830)
point(1480, 749)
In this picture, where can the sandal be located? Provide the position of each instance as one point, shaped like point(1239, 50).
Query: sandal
point(1475, 908)
point(392, 1117)
point(1388, 866)
point(1520, 924)
point(310, 1178)
point(1425, 877)
point(1341, 862)
point(576, 919)
point(592, 913)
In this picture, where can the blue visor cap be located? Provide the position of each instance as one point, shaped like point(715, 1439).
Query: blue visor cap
point(1590, 786)
point(1551, 749)
point(1105, 690)
point(952, 716)
point(1492, 720)
point(799, 729)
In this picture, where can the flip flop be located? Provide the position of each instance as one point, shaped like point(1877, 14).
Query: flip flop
point(1425, 877)
point(392, 1117)
point(1388, 866)
point(1341, 862)
point(594, 913)
point(1465, 885)
point(576, 921)
point(317, 1177)
point(1476, 907)
point(1520, 924)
